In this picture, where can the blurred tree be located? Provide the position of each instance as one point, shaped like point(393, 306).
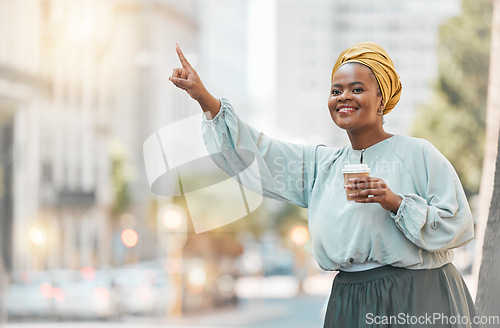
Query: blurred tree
point(119, 179)
point(488, 293)
point(454, 120)
point(286, 218)
point(491, 142)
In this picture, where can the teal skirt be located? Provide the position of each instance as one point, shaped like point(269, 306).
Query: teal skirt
point(397, 297)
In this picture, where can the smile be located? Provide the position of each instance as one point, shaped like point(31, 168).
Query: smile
point(346, 110)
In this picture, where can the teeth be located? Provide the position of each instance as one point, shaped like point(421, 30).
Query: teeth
point(346, 110)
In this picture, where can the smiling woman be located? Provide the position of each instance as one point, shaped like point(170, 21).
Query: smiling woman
point(393, 245)
point(356, 101)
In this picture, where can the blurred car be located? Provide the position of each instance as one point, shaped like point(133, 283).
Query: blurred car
point(29, 295)
point(141, 290)
point(84, 294)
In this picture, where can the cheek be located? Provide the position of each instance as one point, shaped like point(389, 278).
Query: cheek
point(332, 104)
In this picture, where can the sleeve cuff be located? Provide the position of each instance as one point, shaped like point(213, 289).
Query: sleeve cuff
point(219, 113)
point(412, 214)
point(404, 203)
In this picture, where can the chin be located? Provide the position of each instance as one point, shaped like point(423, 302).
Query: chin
point(341, 124)
point(343, 127)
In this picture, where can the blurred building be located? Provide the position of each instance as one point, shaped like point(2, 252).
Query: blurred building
point(82, 84)
point(310, 36)
point(59, 187)
point(144, 100)
point(23, 96)
point(305, 50)
point(223, 44)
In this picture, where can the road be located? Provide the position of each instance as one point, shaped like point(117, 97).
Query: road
point(299, 312)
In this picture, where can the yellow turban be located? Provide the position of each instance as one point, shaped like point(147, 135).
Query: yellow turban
point(377, 59)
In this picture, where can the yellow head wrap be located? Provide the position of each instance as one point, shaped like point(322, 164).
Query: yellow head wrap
point(377, 59)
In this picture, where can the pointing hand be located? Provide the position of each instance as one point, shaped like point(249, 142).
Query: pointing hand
point(186, 77)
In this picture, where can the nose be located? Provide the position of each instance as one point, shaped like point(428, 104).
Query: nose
point(342, 97)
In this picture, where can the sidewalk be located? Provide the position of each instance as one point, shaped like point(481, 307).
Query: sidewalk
point(302, 311)
point(245, 314)
point(238, 316)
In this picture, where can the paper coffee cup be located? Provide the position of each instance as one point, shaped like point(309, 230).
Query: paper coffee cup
point(352, 171)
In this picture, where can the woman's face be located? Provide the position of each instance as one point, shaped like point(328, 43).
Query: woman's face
point(355, 98)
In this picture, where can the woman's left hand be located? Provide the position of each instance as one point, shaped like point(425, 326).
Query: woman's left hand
point(374, 190)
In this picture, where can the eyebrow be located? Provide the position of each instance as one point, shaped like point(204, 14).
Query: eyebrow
point(350, 84)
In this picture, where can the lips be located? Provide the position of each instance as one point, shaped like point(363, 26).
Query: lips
point(346, 110)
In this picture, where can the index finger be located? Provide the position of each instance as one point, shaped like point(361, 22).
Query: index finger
point(183, 59)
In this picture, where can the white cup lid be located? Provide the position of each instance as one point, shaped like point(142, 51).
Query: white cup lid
point(355, 168)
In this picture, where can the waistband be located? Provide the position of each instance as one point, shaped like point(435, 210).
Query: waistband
point(377, 273)
point(361, 266)
point(367, 275)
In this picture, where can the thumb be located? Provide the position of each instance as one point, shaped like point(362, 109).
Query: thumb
point(181, 83)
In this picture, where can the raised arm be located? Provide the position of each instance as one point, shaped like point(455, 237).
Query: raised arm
point(286, 171)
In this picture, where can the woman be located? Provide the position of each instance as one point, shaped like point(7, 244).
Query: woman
point(393, 245)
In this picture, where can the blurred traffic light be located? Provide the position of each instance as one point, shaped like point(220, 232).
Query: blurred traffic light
point(172, 219)
point(172, 227)
point(129, 237)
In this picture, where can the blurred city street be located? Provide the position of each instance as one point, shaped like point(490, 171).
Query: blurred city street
point(297, 312)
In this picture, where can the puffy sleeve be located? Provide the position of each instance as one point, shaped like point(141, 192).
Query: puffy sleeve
point(286, 171)
point(437, 217)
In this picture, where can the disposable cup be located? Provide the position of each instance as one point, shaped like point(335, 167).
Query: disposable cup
point(352, 171)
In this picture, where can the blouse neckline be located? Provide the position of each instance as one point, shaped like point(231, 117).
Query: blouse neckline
point(375, 145)
point(361, 152)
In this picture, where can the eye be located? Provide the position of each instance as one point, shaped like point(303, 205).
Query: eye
point(357, 90)
point(336, 92)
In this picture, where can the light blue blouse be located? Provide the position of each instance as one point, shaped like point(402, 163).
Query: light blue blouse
point(433, 218)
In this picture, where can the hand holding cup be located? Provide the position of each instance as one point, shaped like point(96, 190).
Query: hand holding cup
point(352, 171)
point(366, 189)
